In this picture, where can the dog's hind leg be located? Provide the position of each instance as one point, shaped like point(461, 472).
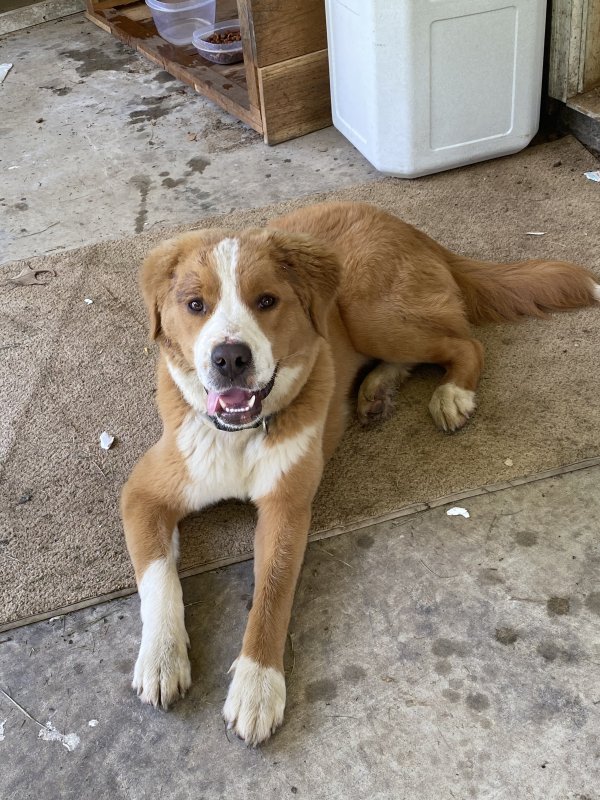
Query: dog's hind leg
point(376, 393)
point(453, 402)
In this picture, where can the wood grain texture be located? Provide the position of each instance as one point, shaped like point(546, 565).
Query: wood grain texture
point(591, 68)
point(102, 5)
point(295, 98)
point(285, 29)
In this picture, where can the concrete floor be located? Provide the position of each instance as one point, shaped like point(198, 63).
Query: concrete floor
point(433, 658)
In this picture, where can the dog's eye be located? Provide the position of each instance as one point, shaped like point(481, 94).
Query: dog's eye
point(196, 306)
point(266, 301)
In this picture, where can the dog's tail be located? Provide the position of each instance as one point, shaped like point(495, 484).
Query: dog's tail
point(505, 292)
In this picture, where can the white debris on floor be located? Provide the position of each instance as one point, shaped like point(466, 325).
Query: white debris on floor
point(2, 724)
point(50, 734)
point(106, 440)
point(456, 511)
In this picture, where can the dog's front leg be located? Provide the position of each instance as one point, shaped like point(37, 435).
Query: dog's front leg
point(162, 670)
point(256, 699)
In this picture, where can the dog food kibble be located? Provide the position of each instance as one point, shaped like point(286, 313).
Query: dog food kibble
point(224, 38)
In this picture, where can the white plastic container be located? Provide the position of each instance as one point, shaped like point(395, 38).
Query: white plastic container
point(176, 21)
point(420, 86)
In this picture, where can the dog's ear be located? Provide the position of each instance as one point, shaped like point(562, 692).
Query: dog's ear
point(158, 269)
point(312, 269)
point(155, 279)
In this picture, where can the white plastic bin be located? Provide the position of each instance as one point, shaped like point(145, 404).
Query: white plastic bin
point(420, 86)
point(176, 20)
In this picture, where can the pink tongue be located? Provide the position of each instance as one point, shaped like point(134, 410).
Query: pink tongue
point(232, 398)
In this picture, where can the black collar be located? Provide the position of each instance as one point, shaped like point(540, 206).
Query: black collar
point(265, 422)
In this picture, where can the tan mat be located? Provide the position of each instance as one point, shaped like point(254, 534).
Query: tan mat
point(70, 370)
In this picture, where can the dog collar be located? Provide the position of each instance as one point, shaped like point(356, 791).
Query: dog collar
point(260, 423)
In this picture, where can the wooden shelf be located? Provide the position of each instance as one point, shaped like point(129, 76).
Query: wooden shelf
point(282, 87)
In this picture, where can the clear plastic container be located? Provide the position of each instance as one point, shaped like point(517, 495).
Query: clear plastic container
point(420, 86)
point(227, 53)
point(176, 21)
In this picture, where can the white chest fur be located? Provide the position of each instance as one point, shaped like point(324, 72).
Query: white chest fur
point(240, 464)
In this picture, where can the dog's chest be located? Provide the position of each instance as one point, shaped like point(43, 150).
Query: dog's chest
point(241, 464)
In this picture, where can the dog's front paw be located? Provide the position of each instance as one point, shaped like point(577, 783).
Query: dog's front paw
point(451, 406)
point(162, 671)
point(255, 701)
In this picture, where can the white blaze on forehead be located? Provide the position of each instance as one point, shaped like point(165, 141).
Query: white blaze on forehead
point(232, 320)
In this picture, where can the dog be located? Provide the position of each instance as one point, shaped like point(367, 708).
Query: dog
point(262, 334)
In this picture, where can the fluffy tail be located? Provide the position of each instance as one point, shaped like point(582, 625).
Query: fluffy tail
point(500, 292)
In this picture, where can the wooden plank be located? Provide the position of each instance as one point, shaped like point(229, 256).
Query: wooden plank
point(225, 85)
point(285, 30)
point(247, 33)
point(97, 19)
point(567, 44)
point(102, 5)
point(591, 67)
point(587, 103)
point(295, 97)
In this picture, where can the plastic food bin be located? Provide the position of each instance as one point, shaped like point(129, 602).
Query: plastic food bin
point(176, 21)
point(224, 53)
point(420, 86)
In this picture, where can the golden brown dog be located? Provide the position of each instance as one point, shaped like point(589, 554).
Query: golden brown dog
point(262, 333)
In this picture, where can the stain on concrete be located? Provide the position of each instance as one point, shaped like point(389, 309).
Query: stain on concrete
point(443, 667)
point(163, 174)
point(21, 206)
point(550, 651)
point(506, 635)
point(449, 647)
point(526, 538)
point(451, 695)
point(490, 577)
point(171, 183)
point(97, 59)
point(198, 164)
point(477, 701)
point(162, 77)
point(365, 541)
point(61, 91)
point(148, 114)
point(354, 673)
point(592, 602)
point(558, 606)
point(322, 690)
point(142, 183)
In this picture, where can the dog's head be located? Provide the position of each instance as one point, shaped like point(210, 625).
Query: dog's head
point(239, 316)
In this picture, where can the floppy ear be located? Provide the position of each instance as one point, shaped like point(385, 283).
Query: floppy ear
point(155, 278)
point(158, 270)
point(313, 270)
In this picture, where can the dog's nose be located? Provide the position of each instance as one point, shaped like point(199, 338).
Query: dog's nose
point(232, 360)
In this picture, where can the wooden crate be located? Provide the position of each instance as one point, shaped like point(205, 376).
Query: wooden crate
point(282, 87)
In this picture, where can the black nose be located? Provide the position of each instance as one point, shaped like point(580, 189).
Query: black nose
point(232, 360)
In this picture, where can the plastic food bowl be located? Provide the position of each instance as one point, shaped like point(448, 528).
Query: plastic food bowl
point(176, 21)
point(226, 53)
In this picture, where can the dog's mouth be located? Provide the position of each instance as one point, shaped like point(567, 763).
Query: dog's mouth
point(237, 408)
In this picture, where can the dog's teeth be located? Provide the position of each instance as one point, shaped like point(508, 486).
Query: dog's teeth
point(252, 401)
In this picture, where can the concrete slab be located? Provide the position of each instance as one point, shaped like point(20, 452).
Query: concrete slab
point(437, 658)
point(100, 143)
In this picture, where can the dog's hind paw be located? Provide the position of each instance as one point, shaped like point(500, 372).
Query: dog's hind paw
point(255, 701)
point(451, 406)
